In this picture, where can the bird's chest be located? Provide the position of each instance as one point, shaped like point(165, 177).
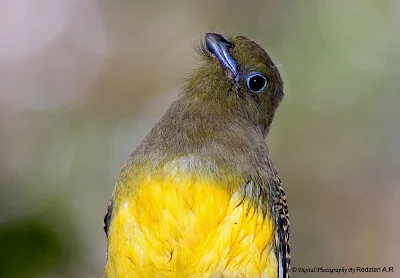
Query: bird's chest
point(188, 227)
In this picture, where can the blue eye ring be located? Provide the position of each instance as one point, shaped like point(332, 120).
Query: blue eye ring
point(256, 82)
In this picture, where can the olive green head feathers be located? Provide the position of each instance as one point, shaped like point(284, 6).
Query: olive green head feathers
point(240, 75)
point(224, 111)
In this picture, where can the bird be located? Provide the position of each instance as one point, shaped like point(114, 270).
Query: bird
point(200, 196)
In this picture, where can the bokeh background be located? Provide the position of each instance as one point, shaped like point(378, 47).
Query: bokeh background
point(83, 81)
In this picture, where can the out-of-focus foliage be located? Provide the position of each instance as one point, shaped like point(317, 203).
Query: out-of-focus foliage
point(34, 243)
point(82, 82)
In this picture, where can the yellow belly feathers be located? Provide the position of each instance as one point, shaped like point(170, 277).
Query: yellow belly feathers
point(183, 225)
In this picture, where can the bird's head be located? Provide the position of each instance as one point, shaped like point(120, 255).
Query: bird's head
point(239, 78)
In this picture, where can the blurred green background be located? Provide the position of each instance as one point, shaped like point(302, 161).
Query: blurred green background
point(82, 82)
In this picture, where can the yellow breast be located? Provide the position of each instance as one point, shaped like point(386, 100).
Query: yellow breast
point(188, 226)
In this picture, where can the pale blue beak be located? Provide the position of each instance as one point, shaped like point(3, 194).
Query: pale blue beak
point(220, 46)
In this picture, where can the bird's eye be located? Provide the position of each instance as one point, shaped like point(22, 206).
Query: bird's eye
point(256, 82)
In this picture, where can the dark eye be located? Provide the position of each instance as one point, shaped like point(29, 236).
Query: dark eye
point(256, 82)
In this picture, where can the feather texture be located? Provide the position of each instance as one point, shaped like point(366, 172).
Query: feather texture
point(200, 196)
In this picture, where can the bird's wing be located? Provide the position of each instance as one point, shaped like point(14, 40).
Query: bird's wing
point(282, 239)
point(107, 217)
